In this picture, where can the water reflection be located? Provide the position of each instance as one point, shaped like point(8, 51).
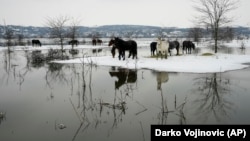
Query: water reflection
point(37, 59)
point(2, 117)
point(165, 111)
point(213, 91)
point(124, 76)
point(161, 77)
point(98, 103)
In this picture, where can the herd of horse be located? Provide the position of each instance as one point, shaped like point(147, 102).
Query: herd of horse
point(161, 46)
point(71, 42)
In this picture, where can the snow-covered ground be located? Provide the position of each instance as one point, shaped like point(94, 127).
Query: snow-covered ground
point(191, 64)
point(194, 63)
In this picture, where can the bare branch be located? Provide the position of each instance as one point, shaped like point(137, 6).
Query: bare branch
point(214, 13)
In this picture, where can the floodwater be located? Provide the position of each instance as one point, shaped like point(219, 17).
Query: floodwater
point(74, 102)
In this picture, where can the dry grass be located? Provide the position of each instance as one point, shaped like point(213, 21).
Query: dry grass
point(207, 54)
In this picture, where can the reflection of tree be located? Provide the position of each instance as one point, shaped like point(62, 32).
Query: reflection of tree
point(213, 91)
point(55, 73)
point(37, 59)
point(10, 67)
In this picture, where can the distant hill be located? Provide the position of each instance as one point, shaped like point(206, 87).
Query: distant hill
point(136, 31)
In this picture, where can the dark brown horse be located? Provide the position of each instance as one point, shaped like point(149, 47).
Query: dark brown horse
point(94, 42)
point(99, 41)
point(73, 42)
point(188, 46)
point(174, 45)
point(153, 46)
point(36, 42)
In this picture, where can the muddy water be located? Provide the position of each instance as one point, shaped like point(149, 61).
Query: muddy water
point(82, 102)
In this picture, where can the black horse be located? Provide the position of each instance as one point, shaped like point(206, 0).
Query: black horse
point(36, 42)
point(73, 42)
point(153, 46)
point(99, 41)
point(123, 46)
point(188, 46)
point(174, 45)
point(94, 42)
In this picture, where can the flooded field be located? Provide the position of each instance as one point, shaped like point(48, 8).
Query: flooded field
point(73, 102)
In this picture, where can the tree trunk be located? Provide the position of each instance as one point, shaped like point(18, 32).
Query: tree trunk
point(216, 30)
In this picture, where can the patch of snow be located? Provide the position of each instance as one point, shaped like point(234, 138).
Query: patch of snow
point(188, 64)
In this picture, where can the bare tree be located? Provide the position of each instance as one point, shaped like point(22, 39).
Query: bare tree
point(214, 14)
point(8, 36)
point(227, 34)
point(196, 33)
point(20, 38)
point(58, 29)
point(73, 29)
point(72, 34)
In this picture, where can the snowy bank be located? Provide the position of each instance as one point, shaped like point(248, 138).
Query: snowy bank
point(189, 64)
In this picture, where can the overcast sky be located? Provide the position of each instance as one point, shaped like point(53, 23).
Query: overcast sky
point(164, 13)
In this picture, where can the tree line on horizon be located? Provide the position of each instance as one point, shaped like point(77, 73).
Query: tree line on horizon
point(212, 19)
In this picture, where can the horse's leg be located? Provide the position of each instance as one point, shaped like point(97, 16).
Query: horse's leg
point(124, 55)
point(120, 54)
point(130, 53)
point(169, 51)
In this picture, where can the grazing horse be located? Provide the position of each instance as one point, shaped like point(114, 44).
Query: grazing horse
point(36, 42)
point(187, 46)
point(73, 42)
point(99, 41)
point(174, 45)
point(162, 48)
point(123, 46)
point(153, 48)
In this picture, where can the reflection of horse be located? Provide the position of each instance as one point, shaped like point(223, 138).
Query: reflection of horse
point(36, 42)
point(188, 46)
point(153, 48)
point(161, 77)
point(162, 48)
point(73, 42)
point(124, 76)
point(174, 45)
point(122, 46)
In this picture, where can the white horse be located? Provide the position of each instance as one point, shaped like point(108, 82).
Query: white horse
point(162, 48)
